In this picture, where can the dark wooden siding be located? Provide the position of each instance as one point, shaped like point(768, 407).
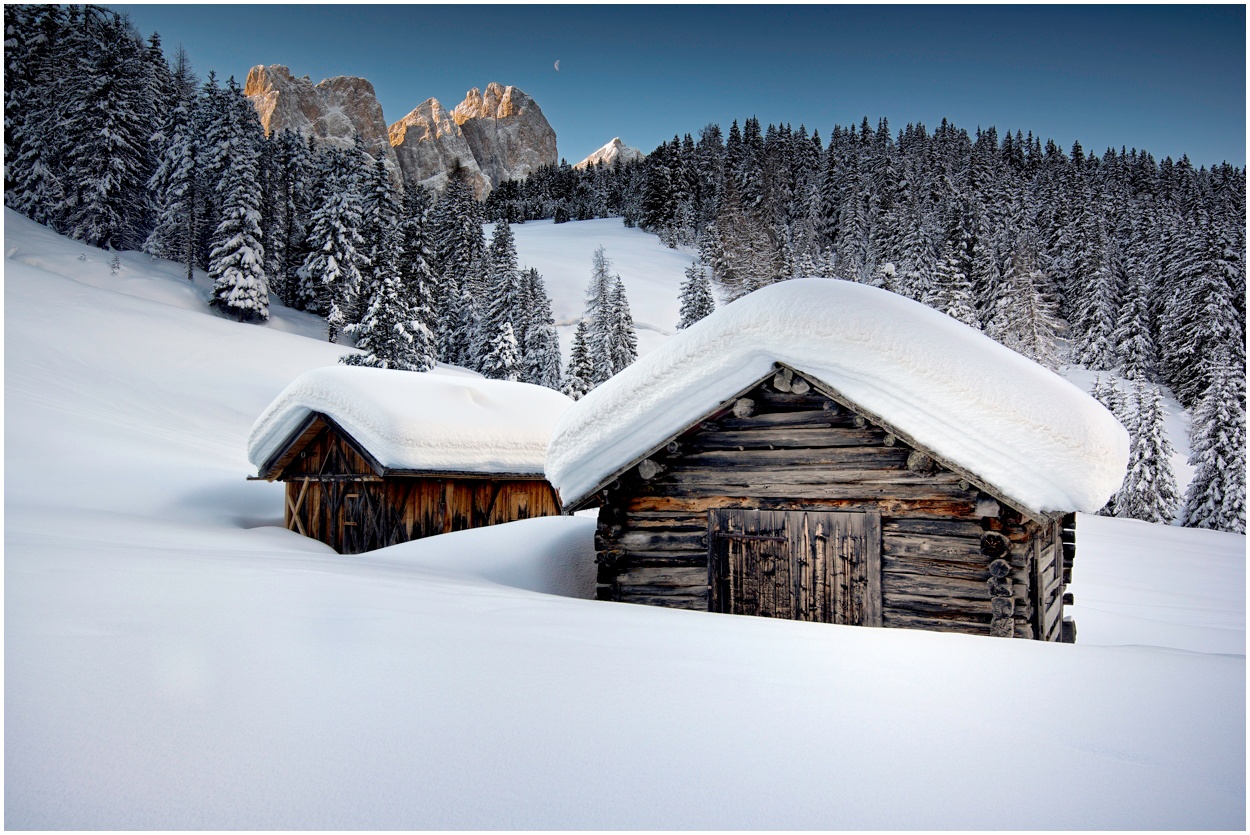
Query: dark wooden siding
point(335, 496)
point(952, 558)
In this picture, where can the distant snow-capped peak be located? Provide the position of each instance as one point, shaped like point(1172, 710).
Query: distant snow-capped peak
point(610, 153)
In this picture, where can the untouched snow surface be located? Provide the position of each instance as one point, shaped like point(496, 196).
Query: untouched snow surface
point(413, 421)
point(176, 659)
point(1019, 427)
point(651, 272)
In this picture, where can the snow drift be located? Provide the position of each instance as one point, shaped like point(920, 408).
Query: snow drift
point(175, 659)
point(1021, 428)
point(411, 421)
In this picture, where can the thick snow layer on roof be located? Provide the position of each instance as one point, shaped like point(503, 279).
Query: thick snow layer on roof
point(1018, 427)
point(412, 421)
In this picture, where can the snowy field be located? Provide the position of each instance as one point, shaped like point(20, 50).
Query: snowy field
point(651, 272)
point(176, 659)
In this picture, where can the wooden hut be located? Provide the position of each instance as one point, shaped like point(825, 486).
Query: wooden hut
point(372, 457)
point(831, 452)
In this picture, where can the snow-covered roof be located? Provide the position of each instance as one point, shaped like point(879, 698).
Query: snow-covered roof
point(413, 421)
point(1021, 429)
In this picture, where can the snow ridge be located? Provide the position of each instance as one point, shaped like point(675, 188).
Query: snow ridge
point(1024, 430)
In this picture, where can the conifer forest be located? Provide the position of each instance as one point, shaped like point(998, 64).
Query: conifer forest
point(1117, 262)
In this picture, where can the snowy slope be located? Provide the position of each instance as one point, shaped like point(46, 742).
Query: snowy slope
point(175, 659)
point(652, 273)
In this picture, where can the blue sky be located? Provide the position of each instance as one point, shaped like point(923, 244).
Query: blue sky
point(1170, 79)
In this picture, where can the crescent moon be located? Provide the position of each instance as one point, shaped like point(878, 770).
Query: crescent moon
point(557, 65)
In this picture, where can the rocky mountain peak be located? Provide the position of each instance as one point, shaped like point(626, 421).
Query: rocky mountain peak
point(496, 135)
point(334, 112)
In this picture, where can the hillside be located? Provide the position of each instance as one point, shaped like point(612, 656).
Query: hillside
point(174, 658)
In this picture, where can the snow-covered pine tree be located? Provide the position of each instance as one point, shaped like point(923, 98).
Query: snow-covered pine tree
point(696, 295)
point(334, 241)
point(416, 277)
point(106, 134)
point(622, 339)
point(1149, 489)
point(211, 126)
point(459, 250)
point(1204, 322)
point(541, 365)
point(173, 185)
point(386, 331)
point(1095, 297)
point(578, 376)
point(952, 292)
point(1024, 319)
point(379, 218)
point(237, 261)
point(598, 316)
point(1216, 497)
point(498, 349)
point(1133, 341)
point(35, 53)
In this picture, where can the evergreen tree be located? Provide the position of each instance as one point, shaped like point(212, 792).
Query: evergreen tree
point(333, 263)
point(1149, 489)
point(952, 292)
point(379, 219)
point(622, 339)
point(696, 296)
point(237, 260)
point(389, 331)
point(499, 349)
point(580, 372)
point(459, 262)
point(542, 344)
point(173, 183)
point(1133, 340)
point(599, 317)
point(106, 132)
point(1216, 497)
point(417, 279)
point(1024, 319)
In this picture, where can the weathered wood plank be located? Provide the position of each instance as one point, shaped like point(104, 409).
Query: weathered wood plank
point(788, 419)
point(946, 606)
point(931, 585)
point(689, 577)
point(894, 506)
point(942, 568)
point(1053, 619)
point(947, 548)
point(801, 474)
point(883, 492)
point(777, 461)
point(656, 541)
point(657, 559)
point(785, 438)
point(667, 601)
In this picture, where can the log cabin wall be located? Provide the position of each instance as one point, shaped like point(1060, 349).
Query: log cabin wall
point(335, 496)
point(951, 558)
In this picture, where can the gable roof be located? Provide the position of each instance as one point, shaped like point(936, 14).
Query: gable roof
point(420, 422)
point(1023, 430)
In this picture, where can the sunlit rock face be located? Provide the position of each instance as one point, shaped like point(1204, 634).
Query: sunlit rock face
point(334, 112)
point(507, 132)
point(428, 143)
point(496, 136)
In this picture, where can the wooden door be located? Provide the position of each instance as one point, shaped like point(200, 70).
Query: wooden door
point(810, 565)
